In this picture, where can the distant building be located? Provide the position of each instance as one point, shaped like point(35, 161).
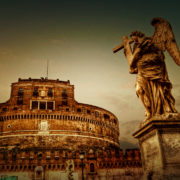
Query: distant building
point(43, 131)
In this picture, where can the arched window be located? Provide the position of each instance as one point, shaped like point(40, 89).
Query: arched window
point(91, 167)
point(39, 172)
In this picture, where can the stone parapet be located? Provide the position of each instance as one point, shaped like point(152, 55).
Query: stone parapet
point(159, 140)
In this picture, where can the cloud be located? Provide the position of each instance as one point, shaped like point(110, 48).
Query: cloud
point(118, 101)
point(124, 104)
point(126, 131)
point(128, 145)
point(129, 127)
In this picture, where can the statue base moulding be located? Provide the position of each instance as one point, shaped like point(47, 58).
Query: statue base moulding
point(159, 140)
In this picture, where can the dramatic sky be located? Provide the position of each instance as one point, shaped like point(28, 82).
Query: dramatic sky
point(77, 37)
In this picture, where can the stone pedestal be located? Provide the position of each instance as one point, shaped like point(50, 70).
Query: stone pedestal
point(159, 140)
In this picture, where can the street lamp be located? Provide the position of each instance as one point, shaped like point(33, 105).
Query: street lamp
point(81, 155)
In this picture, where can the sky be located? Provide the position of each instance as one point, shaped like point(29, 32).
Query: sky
point(77, 38)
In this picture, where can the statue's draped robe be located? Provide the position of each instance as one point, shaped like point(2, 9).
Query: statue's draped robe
point(152, 78)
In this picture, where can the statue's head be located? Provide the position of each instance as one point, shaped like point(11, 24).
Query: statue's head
point(157, 20)
point(137, 35)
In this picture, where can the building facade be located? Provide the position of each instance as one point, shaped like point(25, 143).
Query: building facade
point(43, 131)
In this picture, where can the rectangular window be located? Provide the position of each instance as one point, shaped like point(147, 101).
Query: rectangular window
point(15, 108)
point(64, 94)
point(34, 104)
point(20, 92)
point(42, 105)
point(78, 110)
point(20, 100)
point(50, 92)
point(106, 116)
point(4, 109)
point(67, 109)
point(64, 103)
point(35, 92)
point(50, 105)
point(20, 97)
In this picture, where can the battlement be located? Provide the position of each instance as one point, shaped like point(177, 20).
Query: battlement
point(42, 79)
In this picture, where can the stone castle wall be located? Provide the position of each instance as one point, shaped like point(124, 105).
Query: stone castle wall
point(42, 127)
point(49, 104)
point(98, 164)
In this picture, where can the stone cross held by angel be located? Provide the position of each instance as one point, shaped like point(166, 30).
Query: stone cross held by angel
point(146, 59)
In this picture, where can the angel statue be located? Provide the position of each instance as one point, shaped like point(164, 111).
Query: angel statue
point(146, 59)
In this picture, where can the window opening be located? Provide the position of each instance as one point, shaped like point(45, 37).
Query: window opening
point(42, 105)
point(50, 92)
point(106, 116)
point(34, 104)
point(50, 105)
point(88, 111)
point(64, 98)
point(35, 92)
point(20, 96)
point(91, 167)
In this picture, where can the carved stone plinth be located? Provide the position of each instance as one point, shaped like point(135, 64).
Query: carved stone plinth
point(159, 140)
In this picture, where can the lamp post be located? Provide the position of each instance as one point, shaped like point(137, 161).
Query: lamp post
point(81, 155)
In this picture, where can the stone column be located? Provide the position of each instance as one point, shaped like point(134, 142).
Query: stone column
point(159, 140)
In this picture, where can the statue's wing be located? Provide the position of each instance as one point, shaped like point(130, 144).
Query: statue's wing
point(163, 38)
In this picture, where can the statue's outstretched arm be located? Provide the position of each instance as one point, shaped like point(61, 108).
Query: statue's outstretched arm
point(131, 57)
point(127, 49)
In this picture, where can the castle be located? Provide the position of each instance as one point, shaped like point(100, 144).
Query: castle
point(44, 131)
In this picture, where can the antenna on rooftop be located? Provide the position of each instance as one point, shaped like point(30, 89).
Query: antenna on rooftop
point(47, 69)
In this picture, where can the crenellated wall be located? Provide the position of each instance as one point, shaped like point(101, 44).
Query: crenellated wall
point(97, 163)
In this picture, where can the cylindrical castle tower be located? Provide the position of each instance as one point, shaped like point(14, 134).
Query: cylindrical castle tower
point(43, 113)
point(44, 130)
